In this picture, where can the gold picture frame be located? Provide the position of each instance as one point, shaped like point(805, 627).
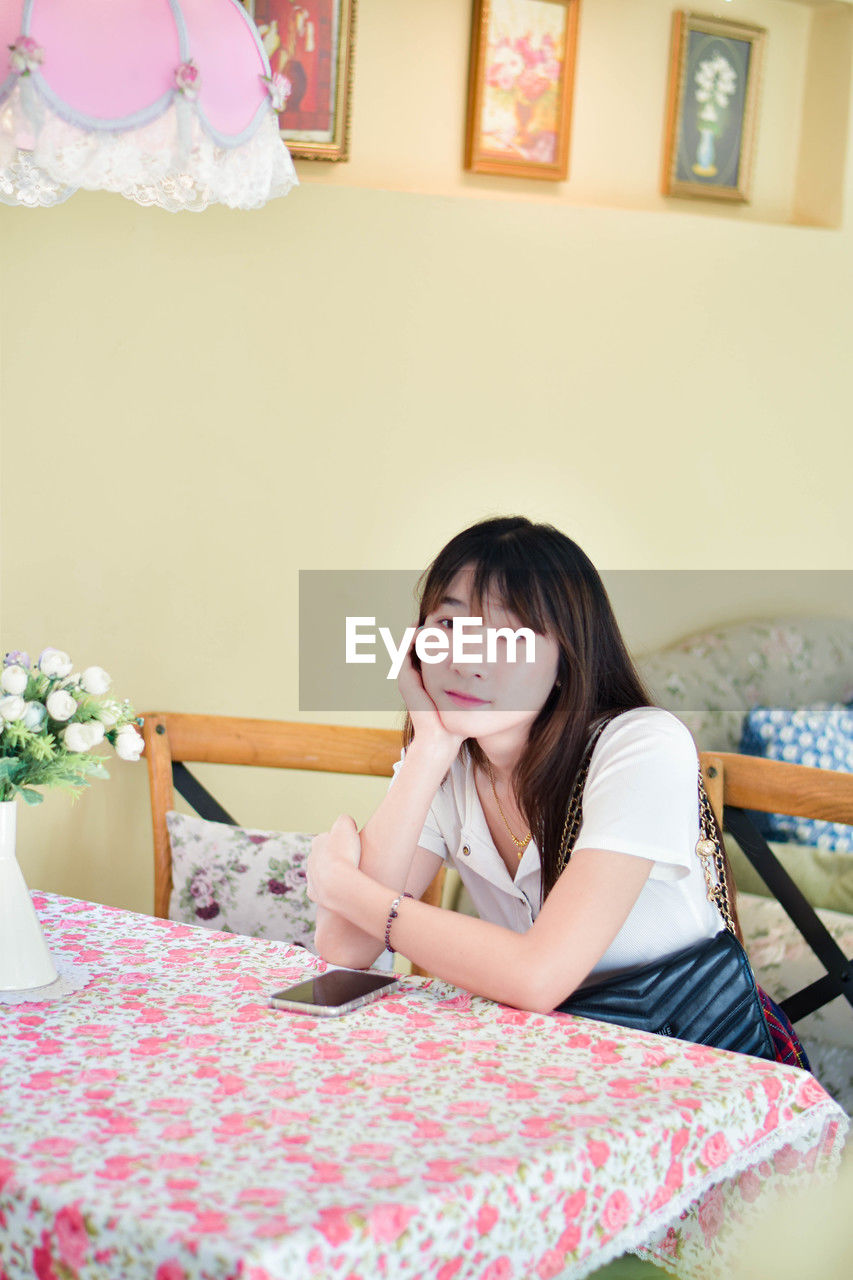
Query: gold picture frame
point(712, 108)
point(520, 87)
point(311, 43)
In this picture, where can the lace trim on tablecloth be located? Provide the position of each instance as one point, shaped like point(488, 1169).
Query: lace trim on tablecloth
point(72, 977)
point(634, 1239)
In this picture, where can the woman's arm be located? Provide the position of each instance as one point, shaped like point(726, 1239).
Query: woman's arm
point(341, 941)
point(535, 970)
point(389, 839)
point(389, 853)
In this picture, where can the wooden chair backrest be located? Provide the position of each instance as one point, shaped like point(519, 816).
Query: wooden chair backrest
point(774, 786)
point(177, 738)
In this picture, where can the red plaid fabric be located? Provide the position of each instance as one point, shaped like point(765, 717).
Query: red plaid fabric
point(784, 1037)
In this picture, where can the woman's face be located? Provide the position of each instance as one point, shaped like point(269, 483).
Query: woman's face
point(483, 697)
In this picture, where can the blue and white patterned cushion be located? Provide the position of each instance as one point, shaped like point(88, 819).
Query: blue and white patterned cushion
point(820, 735)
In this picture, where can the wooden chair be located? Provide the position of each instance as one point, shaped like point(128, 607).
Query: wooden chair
point(173, 739)
point(737, 784)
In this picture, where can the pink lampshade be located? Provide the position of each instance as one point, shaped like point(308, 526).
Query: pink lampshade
point(168, 102)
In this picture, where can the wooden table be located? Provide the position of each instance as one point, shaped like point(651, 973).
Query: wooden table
point(165, 1123)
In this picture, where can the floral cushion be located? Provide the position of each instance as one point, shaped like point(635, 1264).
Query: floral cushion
point(241, 880)
point(711, 679)
point(820, 735)
point(783, 963)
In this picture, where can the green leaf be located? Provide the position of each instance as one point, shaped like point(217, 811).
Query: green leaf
point(30, 796)
point(10, 767)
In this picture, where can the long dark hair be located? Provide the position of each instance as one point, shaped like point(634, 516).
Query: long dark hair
point(551, 586)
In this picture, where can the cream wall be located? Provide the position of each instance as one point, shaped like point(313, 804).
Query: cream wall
point(195, 407)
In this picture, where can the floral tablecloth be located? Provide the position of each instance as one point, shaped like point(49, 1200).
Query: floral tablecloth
point(166, 1123)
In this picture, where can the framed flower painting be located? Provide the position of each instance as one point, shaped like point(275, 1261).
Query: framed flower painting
point(310, 47)
point(712, 107)
point(520, 87)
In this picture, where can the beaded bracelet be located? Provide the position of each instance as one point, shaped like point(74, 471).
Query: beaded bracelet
point(392, 915)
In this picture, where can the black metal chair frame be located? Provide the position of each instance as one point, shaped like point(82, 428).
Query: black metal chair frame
point(839, 968)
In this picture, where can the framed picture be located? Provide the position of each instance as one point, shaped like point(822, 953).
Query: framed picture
point(712, 107)
point(310, 43)
point(520, 87)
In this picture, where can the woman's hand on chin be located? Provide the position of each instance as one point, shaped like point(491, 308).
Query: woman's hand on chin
point(333, 853)
point(426, 719)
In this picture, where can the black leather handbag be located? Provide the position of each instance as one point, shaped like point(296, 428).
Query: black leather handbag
point(705, 993)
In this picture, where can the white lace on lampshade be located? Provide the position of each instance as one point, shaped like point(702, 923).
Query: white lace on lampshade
point(196, 133)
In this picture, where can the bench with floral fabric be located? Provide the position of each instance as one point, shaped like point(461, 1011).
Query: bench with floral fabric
point(715, 681)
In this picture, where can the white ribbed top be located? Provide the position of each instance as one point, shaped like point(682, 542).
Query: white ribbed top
point(641, 798)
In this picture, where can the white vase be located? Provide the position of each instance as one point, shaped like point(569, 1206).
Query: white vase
point(25, 961)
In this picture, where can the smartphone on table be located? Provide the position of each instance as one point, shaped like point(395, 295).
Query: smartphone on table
point(332, 993)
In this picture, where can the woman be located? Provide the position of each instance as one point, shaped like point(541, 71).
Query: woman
point(492, 750)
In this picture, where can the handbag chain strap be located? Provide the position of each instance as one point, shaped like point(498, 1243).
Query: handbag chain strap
point(712, 857)
point(708, 846)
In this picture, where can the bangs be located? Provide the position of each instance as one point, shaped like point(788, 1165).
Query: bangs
point(515, 587)
point(505, 576)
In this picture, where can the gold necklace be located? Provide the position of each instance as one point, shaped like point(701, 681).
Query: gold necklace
point(520, 845)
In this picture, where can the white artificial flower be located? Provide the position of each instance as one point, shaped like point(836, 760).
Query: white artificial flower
point(12, 707)
point(13, 679)
point(55, 663)
point(75, 738)
point(129, 743)
point(60, 705)
point(108, 713)
point(82, 737)
point(2, 724)
point(34, 716)
point(95, 680)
